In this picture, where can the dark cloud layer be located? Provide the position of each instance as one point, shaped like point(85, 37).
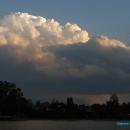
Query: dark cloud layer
point(55, 59)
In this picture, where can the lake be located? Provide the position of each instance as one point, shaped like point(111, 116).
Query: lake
point(61, 125)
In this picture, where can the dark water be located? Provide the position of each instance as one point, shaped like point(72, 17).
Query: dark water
point(61, 125)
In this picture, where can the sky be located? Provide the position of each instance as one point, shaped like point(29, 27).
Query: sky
point(110, 18)
point(66, 48)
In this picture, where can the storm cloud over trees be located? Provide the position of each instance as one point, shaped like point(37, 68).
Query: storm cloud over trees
point(41, 53)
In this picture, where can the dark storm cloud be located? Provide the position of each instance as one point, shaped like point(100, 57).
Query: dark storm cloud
point(44, 57)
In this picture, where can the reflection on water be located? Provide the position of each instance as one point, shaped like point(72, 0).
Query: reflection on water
point(61, 125)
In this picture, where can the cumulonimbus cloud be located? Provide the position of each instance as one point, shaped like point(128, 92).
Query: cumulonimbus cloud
point(26, 36)
point(63, 51)
point(22, 28)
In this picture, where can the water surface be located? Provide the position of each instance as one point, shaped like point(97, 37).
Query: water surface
point(61, 125)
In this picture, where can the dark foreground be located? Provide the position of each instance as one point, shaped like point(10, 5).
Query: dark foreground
point(61, 125)
point(14, 106)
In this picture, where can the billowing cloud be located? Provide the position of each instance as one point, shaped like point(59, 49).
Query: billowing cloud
point(22, 29)
point(28, 37)
point(99, 56)
point(44, 53)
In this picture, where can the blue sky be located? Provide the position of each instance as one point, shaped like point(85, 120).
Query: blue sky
point(111, 18)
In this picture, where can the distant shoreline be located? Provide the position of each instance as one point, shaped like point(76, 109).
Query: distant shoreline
point(67, 119)
point(14, 106)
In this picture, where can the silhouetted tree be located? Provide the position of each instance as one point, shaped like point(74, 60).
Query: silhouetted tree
point(114, 99)
point(70, 101)
point(12, 101)
point(14, 104)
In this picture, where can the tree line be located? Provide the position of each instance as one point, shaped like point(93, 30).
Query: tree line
point(14, 105)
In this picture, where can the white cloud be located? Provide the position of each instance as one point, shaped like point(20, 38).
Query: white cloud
point(26, 38)
point(56, 50)
point(40, 30)
point(104, 41)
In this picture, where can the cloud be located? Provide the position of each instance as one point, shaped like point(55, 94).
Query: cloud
point(26, 38)
point(99, 56)
point(23, 28)
point(35, 51)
